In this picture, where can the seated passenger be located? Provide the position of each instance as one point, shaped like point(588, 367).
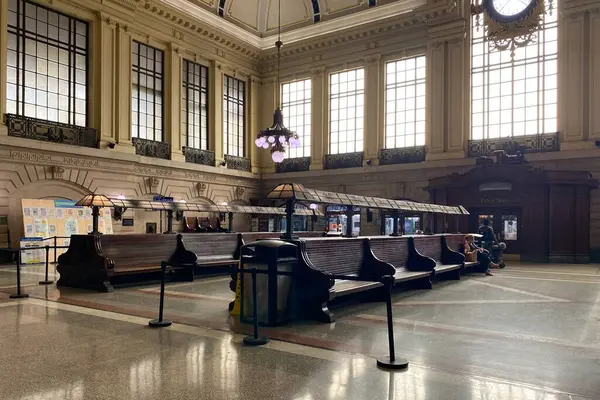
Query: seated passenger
point(474, 253)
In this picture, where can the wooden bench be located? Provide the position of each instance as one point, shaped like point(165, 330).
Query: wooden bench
point(250, 237)
point(323, 265)
point(455, 242)
point(447, 263)
point(94, 261)
point(214, 250)
point(395, 251)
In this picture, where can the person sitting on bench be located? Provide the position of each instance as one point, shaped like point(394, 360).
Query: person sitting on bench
point(472, 253)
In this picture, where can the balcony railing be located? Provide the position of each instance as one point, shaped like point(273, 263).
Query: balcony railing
point(539, 143)
point(152, 148)
point(294, 165)
point(402, 155)
point(198, 156)
point(47, 131)
point(239, 163)
point(345, 160)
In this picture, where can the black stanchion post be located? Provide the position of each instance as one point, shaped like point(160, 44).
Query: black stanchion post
point(55, 249)
point(19, 295)
point(160, 323)
point(391, 362)
point(46, 281)
point(255, 340)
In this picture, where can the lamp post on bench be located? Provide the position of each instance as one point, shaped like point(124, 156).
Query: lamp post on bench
point(395, 218)
point(349, 220)
point(95, 201)
point(169, 221)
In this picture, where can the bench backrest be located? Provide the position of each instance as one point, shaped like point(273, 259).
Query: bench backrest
point(250, 237)
point(391, 250)
point(131, 250)
point(429, 246)
point(336, 256)
point(455, 242)
point(209, 244)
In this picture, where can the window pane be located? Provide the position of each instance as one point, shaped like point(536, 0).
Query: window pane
point(346, 105)
point(147, 85)
point(34, 36)
point(514, 96)
point(296, 108)
point(405, 102)
point(194, 107)
point(234, 109)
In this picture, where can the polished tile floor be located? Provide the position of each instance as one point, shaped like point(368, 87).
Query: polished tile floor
point(529, 332)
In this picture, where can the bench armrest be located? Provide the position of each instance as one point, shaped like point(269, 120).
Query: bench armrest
point(373, 267)
point(181, 256)
point(450, 256)
point(417, 261)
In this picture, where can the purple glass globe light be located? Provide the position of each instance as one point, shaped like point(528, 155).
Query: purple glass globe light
point(271, 139)
point(295, 143)
point(282, 139)
point(278, 156)
point(313, 206)
point(258, 142)
point(265, 145)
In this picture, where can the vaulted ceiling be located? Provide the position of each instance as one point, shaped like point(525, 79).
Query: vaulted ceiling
point(259, 17)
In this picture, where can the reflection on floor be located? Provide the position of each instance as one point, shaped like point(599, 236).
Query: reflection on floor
point(529, 332)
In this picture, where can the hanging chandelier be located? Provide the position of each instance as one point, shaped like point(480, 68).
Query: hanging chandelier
point(277, 137)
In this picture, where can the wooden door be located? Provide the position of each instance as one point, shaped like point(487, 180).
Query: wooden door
point(506, 222)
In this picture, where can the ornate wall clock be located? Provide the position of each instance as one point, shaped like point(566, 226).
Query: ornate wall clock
point(510, 24)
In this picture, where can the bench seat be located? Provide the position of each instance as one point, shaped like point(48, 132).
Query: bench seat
point(344, 287)
point(447, 263)
point(443, 268)
point(213, 250)
point(455, 243)
point(404, 275)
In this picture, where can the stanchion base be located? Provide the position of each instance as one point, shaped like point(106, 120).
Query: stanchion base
point(46, 282)
point(252, 341)
point(159, 324)
point(19, 296)
point(398, 363)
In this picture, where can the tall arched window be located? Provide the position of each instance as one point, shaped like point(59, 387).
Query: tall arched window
point(514, 91)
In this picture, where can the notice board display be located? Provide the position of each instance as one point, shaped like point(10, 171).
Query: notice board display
point(49, 218)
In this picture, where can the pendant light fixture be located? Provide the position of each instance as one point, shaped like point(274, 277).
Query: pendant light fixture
point(277, 137)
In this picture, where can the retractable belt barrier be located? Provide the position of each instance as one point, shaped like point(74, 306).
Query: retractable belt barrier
point(46, 281)
point(391, 362)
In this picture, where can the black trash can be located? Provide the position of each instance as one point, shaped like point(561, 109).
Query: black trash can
point(273, 292)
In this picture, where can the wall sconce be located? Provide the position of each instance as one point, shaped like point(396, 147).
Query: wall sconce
point(111, 145)
point(369, 162)
point(223, 164)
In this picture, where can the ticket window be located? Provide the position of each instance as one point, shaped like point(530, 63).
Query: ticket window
point(409, 225)
point(339, 222)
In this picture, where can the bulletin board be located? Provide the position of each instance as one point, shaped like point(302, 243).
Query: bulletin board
point(49, 218)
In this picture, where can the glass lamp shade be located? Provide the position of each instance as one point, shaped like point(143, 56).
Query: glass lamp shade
point(95, 200)
point(278, 156)
point(271, 139)
point(286, 191)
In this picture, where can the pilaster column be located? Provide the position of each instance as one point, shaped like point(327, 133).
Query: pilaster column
point(215, 122)
point(105, 67)
point(594, 84)
point(572, 80)
point(447, 85)
point(374, 102)
point(173, 131)
point(3, 62)
point(319, 118)
point(435, 112)
point(123, 89)
point(268, 102)
point(254, 126)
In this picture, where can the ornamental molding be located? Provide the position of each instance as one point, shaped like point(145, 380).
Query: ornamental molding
point(577, 8)
point(32, 157)
point(81, 162)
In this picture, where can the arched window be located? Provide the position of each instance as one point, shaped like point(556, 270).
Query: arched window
point(514, 91)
